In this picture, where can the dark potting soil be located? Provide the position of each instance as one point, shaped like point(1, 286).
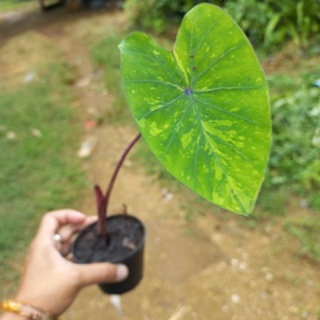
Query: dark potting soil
point(124, 235)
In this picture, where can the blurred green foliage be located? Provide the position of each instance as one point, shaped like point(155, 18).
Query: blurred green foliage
point(271, 23)
point(159, 15)
point(294, 160)
point(268, 23)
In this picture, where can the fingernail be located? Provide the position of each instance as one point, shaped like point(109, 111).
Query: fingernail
point(122, 272)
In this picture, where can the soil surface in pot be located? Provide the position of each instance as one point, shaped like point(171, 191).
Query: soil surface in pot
point(124, 235)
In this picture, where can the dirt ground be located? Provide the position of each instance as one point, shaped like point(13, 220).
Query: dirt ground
point(214, 268)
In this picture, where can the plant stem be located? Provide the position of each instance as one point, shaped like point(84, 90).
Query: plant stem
point(102, 231)
point(115, 173)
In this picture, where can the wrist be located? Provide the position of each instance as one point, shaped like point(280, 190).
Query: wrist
point(16, 310)
point(11, 316)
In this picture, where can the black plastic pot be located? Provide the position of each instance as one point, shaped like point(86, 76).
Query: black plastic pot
point(124, 244)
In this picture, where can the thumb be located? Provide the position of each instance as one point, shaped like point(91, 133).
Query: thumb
point(101, 272)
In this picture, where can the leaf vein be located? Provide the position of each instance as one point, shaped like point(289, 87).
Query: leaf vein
point(227, 112)
point(214, 62)
point(169, 103)
point(233, 189)
point(229, 88)
point(175, 133)
point(156, 82)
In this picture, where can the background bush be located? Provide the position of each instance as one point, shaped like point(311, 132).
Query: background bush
point(158, 15)
point(271, 23)
point(268, 23)
point(294, 160)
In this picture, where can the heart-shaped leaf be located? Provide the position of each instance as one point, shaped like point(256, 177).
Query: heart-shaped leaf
point(202, 109)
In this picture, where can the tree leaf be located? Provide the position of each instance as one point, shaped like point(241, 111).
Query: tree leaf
point(202, 109)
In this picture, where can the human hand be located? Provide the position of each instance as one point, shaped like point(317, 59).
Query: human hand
point(50, 282)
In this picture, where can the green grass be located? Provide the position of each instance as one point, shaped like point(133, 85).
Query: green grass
point(6, 5)
point(275, 201)
point(39, 167)
point(306, 229)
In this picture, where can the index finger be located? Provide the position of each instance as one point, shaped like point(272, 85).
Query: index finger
point(53, 220)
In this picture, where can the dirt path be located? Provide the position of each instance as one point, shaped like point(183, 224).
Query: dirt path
point(215, 268)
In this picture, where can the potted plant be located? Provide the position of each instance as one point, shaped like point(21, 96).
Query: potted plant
point(202, 109)
point(118, 238)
